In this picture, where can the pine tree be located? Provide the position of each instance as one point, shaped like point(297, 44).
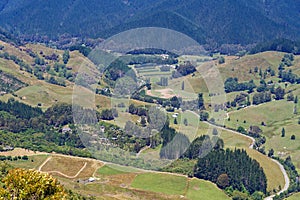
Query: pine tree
point(282, 132)
point(175, 121)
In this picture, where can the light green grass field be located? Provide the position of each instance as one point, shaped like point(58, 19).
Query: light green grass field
point(162, 183)
point(204, 190)
point(33, 162)
point(294, 197)
point(106, 170)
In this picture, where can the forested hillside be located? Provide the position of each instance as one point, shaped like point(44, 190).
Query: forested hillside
point(233, 22)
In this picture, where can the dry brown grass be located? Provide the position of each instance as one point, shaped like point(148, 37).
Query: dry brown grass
point(12, 50)
point(70, 166)
point(240, 67)
point(21, 152)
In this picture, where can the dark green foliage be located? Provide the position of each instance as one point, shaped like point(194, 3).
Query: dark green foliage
point(137, 110)
point(271, 153)
point(204, 116)
point(261, 97)
point(20, 110)
point(279, 93)
point(183, 17)
point(184, 69)
point(221, 60)
point(232, 85)
point(293, 137)
point(152, 51)
point(296, 100)
point(289, 76)
point(175, 102)
point(200, 147)
point(175, 121)
point(55, 81)
point(66, 57)
point(163, 81)
point(282, 132)
point(240, 168)
point(116, 69)
point(107, 115)
point(82, 49)
point(200, 102)
point(39, 61)
point(241, 129)
point(283, 45)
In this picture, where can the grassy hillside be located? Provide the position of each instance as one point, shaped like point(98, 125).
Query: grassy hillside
point(113, 181)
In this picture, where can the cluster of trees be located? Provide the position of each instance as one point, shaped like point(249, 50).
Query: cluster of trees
point(3, 158)
point(109, 114)
point(66, 57)
point(56, 81)
point(20, 122)
point(232, 85)
point(137, 110)
point(82, 49)
point(163, 81)
point(152, 51)
point(283, 45)
point(184, 69)
point(254, 131)
point(262, 97)
point(232, 168)
point(116, 69)
point(40, 68)
point(202, 145)
point(143, 59)
point(288, 76)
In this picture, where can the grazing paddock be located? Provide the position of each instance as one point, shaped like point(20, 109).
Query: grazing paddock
point(294, 197)
point(201, 189)
point(162, 183)
point(21, 152)
point(33, 162)
point(70, 167)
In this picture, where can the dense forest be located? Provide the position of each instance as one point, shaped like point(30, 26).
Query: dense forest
point(232, 168)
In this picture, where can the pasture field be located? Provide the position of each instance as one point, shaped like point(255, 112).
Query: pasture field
point(239, 67)
point(201, 189)
point(106, 170)
point(71, 167)
point(162, 183)
point(12, 50)
point(115, 181)
point(294, 197)
point(274, 176)
point(276, 115)
point(33, 162)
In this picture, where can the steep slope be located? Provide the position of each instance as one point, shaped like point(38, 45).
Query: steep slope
point(225, 21)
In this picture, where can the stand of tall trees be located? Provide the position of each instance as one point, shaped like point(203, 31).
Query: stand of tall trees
point(234, 168)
